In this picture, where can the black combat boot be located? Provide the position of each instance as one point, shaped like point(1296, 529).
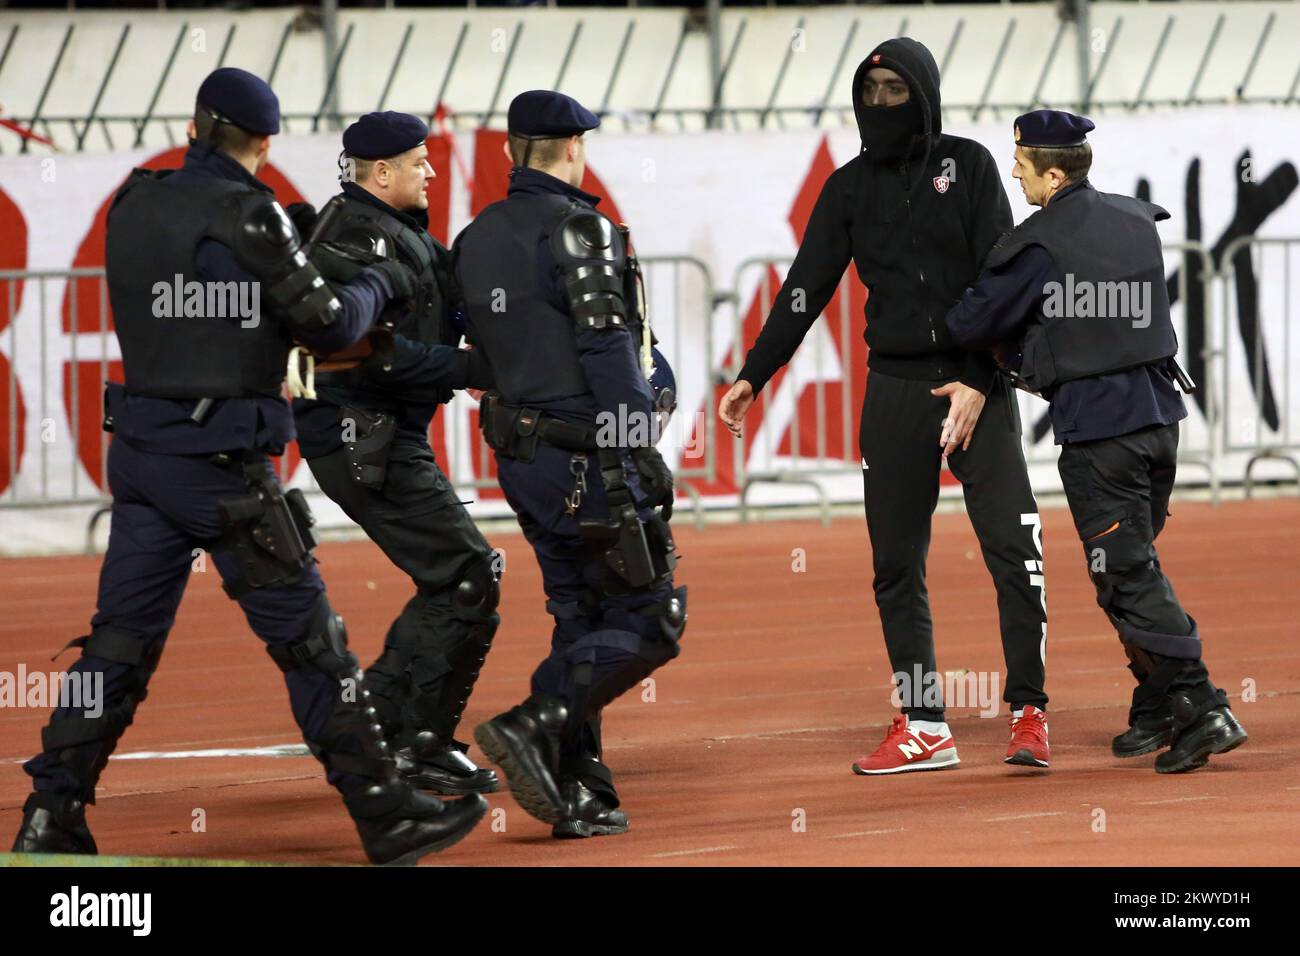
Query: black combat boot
point(1151, 716)
point(54, 823)
point(1199, 736)
point(1147, 733)
point(588, 813)
point(399, 825)
point(429, 764)
point(525, 743)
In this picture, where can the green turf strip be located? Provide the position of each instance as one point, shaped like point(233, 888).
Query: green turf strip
point(70, 859)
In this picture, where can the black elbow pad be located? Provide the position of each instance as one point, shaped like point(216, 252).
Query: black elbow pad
point(265, 243)
point(592, 259)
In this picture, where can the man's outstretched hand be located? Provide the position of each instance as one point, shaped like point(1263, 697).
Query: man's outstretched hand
point(965, 405)
point(735, 404)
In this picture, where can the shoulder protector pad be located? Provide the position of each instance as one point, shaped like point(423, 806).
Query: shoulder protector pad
point(590, 255)
point(343, 244)
point(264, 238)
point(266, 243)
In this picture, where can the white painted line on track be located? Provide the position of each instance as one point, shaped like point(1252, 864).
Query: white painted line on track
point(862, 833)
point(1157, 803)
point(706, 849)
point(279, 750)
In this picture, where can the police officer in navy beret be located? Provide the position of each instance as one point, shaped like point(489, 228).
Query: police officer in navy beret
point(194, 422)
point(366, 438)
point(551, 299)
point(1075, 300)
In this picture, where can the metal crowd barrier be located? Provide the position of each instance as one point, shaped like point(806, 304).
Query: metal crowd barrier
point(1242, 282)
point(801, 469)
point(72, 332)
point(1202, 448)
point(1247, 358)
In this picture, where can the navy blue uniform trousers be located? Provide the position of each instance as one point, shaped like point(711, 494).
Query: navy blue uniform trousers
point(164, 512)
point(591, 627)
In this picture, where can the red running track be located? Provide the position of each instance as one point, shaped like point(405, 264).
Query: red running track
point(743, 756)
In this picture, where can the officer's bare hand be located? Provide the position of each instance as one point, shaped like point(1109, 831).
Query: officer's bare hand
point(965, 405)
point(735, 404)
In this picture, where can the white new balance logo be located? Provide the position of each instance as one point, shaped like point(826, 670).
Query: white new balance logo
point(916, 745)
point(911, 748)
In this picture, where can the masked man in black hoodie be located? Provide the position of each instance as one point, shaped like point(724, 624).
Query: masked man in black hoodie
point(917, 211)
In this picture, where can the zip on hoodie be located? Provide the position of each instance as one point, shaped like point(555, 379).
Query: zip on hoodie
point(907, 200)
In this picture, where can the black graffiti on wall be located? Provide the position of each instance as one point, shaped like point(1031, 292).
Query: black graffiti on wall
point(1256, 201)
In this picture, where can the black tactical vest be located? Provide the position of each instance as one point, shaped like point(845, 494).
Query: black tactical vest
point(529, 342)
point(153, 232)
point(1107, 252)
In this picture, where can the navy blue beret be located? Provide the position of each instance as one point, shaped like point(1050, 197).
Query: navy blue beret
point(548, 113)
point(381, 135)
point(1052, 129)
point(243, 99)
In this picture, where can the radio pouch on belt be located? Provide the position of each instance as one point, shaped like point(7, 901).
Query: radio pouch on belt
point(511, 430)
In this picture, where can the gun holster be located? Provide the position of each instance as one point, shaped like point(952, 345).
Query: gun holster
point(269, 530)
point(371, 434)
point(622, 539)
point(629, 545)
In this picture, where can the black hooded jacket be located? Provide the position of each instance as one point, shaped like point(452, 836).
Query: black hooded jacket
point(917, 242)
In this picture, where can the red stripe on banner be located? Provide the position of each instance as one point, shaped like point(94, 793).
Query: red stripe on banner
point(833, 391)
point(13, 255)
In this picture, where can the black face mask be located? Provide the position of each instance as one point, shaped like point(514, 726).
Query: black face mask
point(889, 132)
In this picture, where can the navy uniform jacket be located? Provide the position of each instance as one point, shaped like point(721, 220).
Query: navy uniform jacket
point(996, 310)
point(163, 425)
point(609, 359)
point(420, 378)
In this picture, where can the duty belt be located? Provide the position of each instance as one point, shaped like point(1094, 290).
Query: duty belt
point(515, 430)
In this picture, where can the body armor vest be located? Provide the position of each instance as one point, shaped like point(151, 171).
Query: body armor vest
point(181, 336)
point(1110, 310)
point(530, 342)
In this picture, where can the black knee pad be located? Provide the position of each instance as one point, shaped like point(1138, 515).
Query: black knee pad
point(478, 592)
point(324, 648)
point(350, 739)
point(671, 615)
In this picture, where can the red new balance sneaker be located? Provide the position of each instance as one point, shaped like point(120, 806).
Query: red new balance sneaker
point(908, 748)
point(1029, 739)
